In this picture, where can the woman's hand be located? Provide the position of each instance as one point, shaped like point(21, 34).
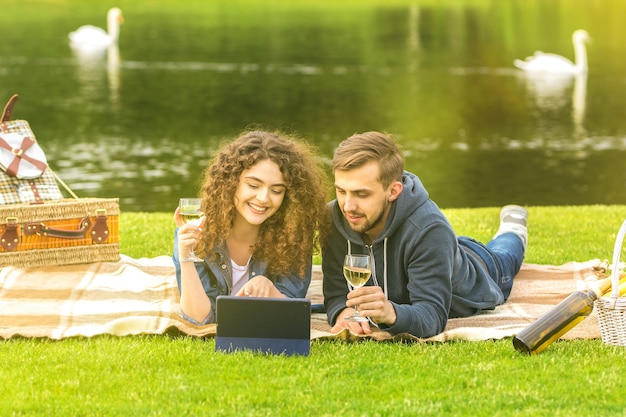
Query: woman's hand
point(260, 286)
point(188, 234)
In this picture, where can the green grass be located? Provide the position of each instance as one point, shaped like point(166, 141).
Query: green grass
point(182, 376)
point(557, 234)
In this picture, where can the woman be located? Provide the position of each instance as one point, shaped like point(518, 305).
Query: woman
point(264, 202)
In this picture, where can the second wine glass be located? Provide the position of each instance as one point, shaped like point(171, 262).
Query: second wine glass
point(190, 212)
point(357, 270)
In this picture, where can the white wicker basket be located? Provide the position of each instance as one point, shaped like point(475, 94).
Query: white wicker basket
point(612, 310)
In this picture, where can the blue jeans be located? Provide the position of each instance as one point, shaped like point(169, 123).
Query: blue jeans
point(502, 256)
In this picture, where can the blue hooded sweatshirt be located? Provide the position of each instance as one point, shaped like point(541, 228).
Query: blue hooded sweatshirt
point(418, 262)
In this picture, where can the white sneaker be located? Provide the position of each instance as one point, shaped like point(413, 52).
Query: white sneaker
point(514, 219)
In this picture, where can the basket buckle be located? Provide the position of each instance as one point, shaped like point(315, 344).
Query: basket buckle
point(9, 239)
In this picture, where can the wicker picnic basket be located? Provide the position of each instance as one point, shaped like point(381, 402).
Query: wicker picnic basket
point(38, 227)
point(62, 232)
point(612, 309)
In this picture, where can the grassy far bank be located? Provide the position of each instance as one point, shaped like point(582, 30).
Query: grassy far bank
point(165, 375)
point(556, 234)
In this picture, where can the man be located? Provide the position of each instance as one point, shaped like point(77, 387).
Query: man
point(422, 273)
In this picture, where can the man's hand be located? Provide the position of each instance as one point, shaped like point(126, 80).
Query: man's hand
point(356, 327)
point(371, 303)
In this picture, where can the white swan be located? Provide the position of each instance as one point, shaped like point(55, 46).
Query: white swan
point(89, 36)
point(552, 63)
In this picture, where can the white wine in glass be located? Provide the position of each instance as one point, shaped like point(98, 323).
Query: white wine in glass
point(191, 213)
point(357, 270)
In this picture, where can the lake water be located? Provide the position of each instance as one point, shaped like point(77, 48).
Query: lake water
point(141, 121)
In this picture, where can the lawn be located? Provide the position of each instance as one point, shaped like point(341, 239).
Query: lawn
point(183, 376)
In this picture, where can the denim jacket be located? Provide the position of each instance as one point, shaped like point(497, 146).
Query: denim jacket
point(217, 278)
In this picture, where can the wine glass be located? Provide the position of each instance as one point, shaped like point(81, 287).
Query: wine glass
point(357, 270)
point(191, 213)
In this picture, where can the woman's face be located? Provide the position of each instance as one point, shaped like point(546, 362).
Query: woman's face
point(260, 192)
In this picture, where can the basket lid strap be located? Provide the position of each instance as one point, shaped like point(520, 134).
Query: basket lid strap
point(6, 113)
point(10, 239)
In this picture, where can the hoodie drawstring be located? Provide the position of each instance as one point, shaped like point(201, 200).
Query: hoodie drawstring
point(370, 252)
point(385, 269)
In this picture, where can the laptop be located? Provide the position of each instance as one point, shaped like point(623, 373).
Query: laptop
point(280, 326)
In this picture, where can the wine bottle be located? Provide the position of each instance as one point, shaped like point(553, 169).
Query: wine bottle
point(560, 319)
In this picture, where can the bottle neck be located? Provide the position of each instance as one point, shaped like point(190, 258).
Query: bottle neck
point(601, 289)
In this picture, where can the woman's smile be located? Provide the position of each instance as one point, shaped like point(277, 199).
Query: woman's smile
point(258, 209)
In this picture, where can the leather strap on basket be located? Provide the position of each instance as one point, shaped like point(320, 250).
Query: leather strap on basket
point(100, 231)
point(6, 113)
point(10, 239)
point(33, 187)
point(40, 229)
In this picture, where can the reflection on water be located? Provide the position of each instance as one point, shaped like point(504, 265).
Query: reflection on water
point(138, 171)
point(552, 92)
point(579, 102)
point(113, 73)
point(413, 39)
point(98, 69)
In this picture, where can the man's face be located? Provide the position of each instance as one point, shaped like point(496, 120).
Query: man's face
point(363, 200)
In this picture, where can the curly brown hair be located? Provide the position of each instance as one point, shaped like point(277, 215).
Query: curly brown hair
point(287, 239)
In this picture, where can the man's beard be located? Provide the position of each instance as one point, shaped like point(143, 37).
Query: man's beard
point(370, 224)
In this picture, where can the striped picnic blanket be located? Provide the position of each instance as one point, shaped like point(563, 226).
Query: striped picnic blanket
point(140, 296)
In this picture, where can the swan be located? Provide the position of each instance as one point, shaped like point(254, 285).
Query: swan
point(89, 36)
point(552, 63)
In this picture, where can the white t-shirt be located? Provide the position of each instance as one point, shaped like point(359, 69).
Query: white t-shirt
point(240, 276)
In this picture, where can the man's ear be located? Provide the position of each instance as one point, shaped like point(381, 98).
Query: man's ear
point(395, 189)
